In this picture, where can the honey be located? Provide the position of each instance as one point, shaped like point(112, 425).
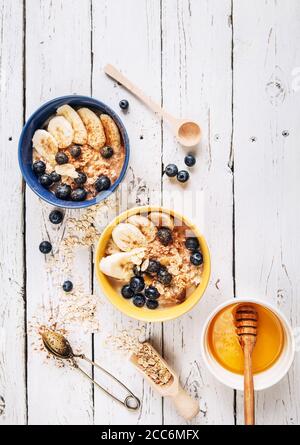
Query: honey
point(224, 345)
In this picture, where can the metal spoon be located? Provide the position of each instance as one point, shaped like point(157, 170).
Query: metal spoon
point(187, 132)
point(59, 346)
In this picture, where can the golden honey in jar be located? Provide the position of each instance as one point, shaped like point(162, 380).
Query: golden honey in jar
point(224, 345)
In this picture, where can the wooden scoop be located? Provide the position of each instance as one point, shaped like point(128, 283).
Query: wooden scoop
point(185, 405)
point(186, 131)
point(246, 320)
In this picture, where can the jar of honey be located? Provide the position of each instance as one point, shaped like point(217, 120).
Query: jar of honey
point(272, 355)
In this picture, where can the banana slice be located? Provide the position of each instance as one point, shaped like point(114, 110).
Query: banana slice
point(127, 237)
point(61, 130)
point(145, 225)
point(80, 133)
point(111, 248)
point(45, 145)
point(161, 219)
point(67, 170)
point(95, 132)
point(113, 138)
point(119, 265)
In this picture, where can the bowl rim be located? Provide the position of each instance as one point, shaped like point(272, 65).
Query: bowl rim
point(70, 204)
point(144, 314)
point(235, 381)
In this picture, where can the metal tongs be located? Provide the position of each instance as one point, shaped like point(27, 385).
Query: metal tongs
point(59, 346)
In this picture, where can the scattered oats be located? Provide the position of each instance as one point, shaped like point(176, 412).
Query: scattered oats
point(65, 312)
point(127, 342)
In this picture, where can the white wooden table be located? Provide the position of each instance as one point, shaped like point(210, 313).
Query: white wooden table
point(233, 65)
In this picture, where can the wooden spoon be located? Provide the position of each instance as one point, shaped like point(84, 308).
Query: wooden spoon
point(187, 132)
point(246, 320)
point(185, 405)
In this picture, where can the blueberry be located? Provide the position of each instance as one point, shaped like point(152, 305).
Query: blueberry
point(152, 293)
point(196, 258)
point(55, 177)
point(75, 151)
point(45, 247)
point(63, 191)
point(106, 152)
point(61, 157)
point(45, 180)
point(137, 284)
point(192, 244)
point(190, 160)
point(165, 235)
point(127, 292)
point(153, 267)
point(183, 176)
point(152, 304)
point(139, 300)
point(171, 170)
point(56, 217)
point(67, 286)
point(124, 104)
point(39, 167)
point(78, 195)
point(102, 183)
point(81, 179)
point(164, 277)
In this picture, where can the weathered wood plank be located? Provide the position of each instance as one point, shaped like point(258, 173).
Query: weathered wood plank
point(13, 408)
point(197, 84)
point(267, 158)
point(127, 34)
point(58, 62)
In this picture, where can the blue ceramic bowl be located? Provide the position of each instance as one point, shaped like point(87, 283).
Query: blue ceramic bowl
point(37, 120)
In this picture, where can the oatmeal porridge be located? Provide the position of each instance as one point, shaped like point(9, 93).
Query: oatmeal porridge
point(153, 259)
point(78, 153)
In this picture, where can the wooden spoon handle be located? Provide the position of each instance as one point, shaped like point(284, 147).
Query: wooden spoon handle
point(111, 71)
point(248, 388)
point(185, 405)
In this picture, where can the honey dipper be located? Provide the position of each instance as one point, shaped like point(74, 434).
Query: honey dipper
point(246, 321)
point(185, 405)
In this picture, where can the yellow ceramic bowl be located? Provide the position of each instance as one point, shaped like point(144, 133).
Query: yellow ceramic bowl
point(126, 306)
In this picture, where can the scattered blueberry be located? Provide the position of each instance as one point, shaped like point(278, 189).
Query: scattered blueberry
point(63, 191)
point(102, 183)
point(153, 267)
point(45, 247)
point(183, 176)
point(124, 104)
point(61, 158)
point(39, 167)
point(45, 180)
point(55, 177)
point(81, 179)
point(165, 235)
point(152, 293)
point(106, 152)
point(56, 217)
point(152, 304)
point(190, 160)
point(67, 286)
point(139, 300)
point(192, 244)
point(75, 151)
point(127, 292)
point(78, 195)
point(164, 277)
point(171, 170)
point(196, 258)
point(137, 284)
